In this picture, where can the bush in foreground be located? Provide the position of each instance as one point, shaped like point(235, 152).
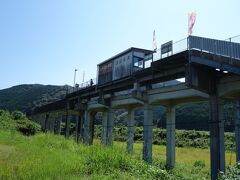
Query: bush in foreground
point(6, 121)
point(232, 173)
point(18, 121)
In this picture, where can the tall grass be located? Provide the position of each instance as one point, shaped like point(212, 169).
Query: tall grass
point(45, 156)
point(191, 163)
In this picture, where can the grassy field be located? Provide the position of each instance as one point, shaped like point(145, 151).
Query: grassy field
point(46, 156)
point(191, 163)
point(53, 157)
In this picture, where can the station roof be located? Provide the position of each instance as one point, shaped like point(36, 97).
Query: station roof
point(125, 52)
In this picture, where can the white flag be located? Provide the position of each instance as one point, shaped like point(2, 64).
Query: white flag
point(191, 22)
point(154, 41)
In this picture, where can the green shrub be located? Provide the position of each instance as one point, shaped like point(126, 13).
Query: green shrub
point(6, 121)
point(18, 121)
point(27, 127)
point(232, 173)
point(199, 164)
point(17, 115)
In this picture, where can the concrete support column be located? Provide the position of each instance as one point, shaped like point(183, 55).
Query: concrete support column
point(130, 130)
point(39, 119)
point(58, 124)
point(93, 114)
point(78, 128)
point(88, 127)
point(170, 151)
point(110, 127)
point(135, 86)
point(237, 130)
point(42, 120)
point(147, 133)
point(51, 122)
point(46, 123)
point(107, 127)
point(217, 149)
point(35, 118)
point(104, 127)
point(81, 122)
point(67, 125)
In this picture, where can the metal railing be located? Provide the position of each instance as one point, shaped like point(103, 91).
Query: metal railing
point(213, 46)
point(235, 39)
point(229, 47)
point(178, 46)
point(83, 85)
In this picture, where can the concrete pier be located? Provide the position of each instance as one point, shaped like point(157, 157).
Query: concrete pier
point(170, 151)
point(237, 130)
point(77, 128)
point(67, 125)
point(130, 130)
point(107, 127)
point(217, 149)
point(42, 120)
point(47, 123)
point(86, 135)
point(51, 122)
point(104, 127)
point(58, 125)
point(88, 127)
point(147, 133)
point(81, 123)
point(80, 127)
point(110, 127)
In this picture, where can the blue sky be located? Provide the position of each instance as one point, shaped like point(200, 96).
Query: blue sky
point(43, 41)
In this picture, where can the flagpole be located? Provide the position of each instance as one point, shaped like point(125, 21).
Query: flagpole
point(83, 76)
point(74, 82)
point(154, 44)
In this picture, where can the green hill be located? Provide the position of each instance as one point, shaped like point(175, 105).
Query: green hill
point(27, 96)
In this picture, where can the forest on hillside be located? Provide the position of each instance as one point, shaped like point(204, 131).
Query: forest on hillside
point(28, 96)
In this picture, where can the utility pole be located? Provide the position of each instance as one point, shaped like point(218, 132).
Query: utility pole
point(74, 83)
point(83, 76)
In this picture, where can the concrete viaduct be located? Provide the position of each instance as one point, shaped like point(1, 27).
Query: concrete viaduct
point(210, 75)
